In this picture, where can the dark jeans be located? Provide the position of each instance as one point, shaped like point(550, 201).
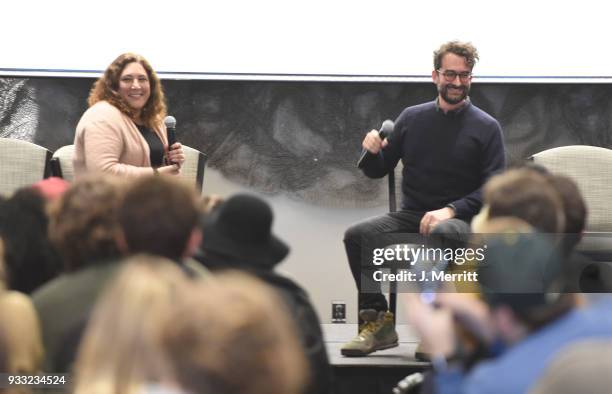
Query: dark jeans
point(390, 223)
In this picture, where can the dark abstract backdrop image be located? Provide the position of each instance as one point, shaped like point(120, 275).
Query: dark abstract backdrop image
point(302, 139)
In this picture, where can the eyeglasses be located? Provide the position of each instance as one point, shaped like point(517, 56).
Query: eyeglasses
point(450, 75)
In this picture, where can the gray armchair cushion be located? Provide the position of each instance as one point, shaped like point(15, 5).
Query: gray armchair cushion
point(591, 168)
point(22, 163)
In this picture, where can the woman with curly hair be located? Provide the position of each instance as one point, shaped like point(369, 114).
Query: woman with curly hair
point(123, 132)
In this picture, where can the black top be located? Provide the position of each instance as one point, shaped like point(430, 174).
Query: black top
point(156, 148)
point(447, 157)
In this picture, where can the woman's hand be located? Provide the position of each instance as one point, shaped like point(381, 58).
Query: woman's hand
point(176, 154)
point(172, 169)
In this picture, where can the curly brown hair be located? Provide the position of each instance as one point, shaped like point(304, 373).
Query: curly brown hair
point(464, 49)
point(83, 222)
point(107, 86)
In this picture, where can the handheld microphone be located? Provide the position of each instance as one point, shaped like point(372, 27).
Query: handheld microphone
point(170, 122)
point(385, 131)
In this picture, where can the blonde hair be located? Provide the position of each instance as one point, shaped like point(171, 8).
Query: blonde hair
point(20, 336)
point(234, 336)
point(120, 349)
point(230, 335)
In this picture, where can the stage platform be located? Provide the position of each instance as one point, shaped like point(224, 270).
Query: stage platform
point(377, 373)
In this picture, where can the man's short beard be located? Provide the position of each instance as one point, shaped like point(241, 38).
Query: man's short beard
point(444, 93)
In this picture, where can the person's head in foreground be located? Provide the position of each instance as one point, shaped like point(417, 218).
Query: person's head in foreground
point(159, 215)
point(238, 233)
point(120, 351)
point(243, 345)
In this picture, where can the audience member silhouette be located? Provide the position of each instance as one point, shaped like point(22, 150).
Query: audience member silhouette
point(30, 258)
point(21, 350)
point(83, 227)
point(246, 344)
point(159, 215)
point(237, 234)
point(120, 351)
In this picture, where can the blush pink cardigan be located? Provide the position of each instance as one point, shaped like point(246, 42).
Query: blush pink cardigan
point(107, 140)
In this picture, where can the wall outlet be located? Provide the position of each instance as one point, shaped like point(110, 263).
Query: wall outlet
point(338, 312)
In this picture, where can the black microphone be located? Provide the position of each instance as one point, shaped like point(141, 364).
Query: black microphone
point(385, 131)
point(170, 122)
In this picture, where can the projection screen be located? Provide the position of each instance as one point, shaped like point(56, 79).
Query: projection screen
point(524, 41)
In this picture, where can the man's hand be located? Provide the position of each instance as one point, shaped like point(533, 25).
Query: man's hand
point(472, 314)
point(437, 326)
point(372, 142)
point(432, 218)
point(433, 326)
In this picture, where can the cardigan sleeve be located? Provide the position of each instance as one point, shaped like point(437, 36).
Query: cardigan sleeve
point(106, 143)
point(103, 145)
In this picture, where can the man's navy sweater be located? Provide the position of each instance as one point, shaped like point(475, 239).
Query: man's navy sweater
point(447, 157)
